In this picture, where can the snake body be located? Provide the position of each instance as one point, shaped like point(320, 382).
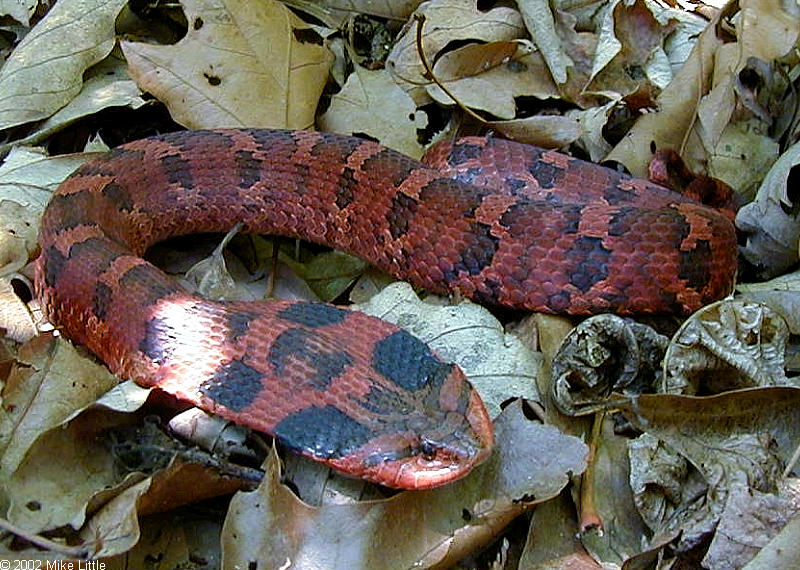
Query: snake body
point(547, 233)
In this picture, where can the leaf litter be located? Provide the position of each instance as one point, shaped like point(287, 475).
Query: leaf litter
point(701, 462)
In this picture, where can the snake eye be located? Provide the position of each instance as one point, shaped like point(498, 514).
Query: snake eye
point(428, 450)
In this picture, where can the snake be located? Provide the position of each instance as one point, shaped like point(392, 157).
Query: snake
point(501, 223)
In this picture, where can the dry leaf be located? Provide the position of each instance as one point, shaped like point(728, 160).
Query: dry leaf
point(27, 180)
point(604, 354)
point(725, 346)
point(20, 10)
point(15, 318)
point(738, 442)
point(782, 551)
point(607, 501)
point(495, 88)
point(45, 71)
point(779, 294)
point(106, 84)
point(338, 11)
point(548, 131)
point(547, 36)
point(240, 64)
point(687, 102)
point(446, 21)
point(770, 221)
point(49, 384)
point(371, 103)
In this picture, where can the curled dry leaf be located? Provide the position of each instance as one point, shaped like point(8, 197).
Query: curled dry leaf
point(663, 482)
point(725, 346)
point(100, 454)
point(532, 463)
point(549, 131)
point(240, 64)
point(217, 436)
point(604, 354)
point(210, 276)
point(770, 222)
point(736, 445)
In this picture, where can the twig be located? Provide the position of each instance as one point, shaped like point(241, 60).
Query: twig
point(429, 72)
point(42, 542)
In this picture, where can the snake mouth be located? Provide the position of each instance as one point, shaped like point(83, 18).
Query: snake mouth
point(415, 472)
point(423, 461)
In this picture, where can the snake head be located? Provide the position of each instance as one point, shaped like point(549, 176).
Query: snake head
point(435, 448)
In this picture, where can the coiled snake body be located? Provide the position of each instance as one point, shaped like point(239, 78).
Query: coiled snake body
point(359, 394)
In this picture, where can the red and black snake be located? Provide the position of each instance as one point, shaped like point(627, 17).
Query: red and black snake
point(547, 233)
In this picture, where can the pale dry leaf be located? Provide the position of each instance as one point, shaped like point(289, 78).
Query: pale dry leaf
point(714, 62)
point(210, 276)
point(240, 64)
point(770, 222)
point(782, 551)
point(84, 467)
point(17, 236)
point(28, 176)
point(496, 89)
point(781, 294)
point(749, 520)
point(548, 131)
point(49, 384)
point(371, 103)
point(668, 124)
point(631, 35)
point(496, 362)
point(742, 158)
point(608, 45)
point(106, 84)
point(769, 28)
point(20, 10)
point(45, 71)
point(446, 21)
point(15, 318)
point(592, 123)
point(540, 21)
point(725, 346)
point(337, 12)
